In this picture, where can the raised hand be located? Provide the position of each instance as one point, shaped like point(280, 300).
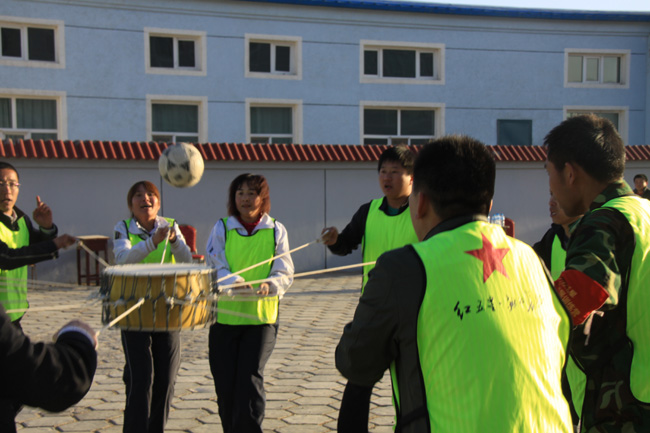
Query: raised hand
point(160, 235)
point(42, 214)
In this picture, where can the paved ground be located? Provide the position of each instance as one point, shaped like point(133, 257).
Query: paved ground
point(303, 387)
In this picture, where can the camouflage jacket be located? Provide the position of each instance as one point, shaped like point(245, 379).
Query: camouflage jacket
point(601, 246)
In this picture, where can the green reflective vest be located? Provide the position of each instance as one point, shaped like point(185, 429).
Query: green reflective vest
point(637, 212)
point(13, 283)
point(242, 252)
point(492, 336)
point(156, 255)
point(558, 258)
point(384, 233)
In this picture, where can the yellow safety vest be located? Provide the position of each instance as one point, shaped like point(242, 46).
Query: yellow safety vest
point(241, 252)
point(492, 335)
point(156, 255)
point(13, 283)
point(637, 212)
point(384, 233)
point(558, 258)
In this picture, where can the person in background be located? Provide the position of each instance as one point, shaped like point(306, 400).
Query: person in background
point(641, 186)
point(604, 284)
point(552, 247)
point(379, 226)
point(21, 244)
point(52, 376)
point(152, 357)
point(467, 319)
point(243, 338)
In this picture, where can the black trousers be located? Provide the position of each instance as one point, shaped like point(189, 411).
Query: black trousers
point(355, 408)
point(238, 355)
point(152, 361)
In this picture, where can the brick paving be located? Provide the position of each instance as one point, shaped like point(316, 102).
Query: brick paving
point(303, 387)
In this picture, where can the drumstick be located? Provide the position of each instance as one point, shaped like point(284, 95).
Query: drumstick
point(123, 315)
point(241, 271)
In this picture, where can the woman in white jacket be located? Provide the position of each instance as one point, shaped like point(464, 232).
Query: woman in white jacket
point(152, 358)
point(243, 338)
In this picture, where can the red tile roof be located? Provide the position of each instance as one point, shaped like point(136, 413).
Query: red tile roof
point(138, 151)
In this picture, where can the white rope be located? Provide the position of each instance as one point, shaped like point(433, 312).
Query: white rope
point(51, 308)
point(302, 274)
point(241, 271)
point(162, 260)
point(93, 254)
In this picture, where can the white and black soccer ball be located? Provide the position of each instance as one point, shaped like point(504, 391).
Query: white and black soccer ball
point(181, 165)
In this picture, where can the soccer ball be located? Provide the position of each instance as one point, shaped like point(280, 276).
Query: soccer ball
point(181, 165)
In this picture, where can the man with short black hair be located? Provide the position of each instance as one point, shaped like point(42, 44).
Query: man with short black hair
point(641, 186)
point(21, 244)
point(466, 320)
point(379, 226)
point(604, 284)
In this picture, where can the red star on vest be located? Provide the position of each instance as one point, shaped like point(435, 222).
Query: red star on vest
point(491, 257)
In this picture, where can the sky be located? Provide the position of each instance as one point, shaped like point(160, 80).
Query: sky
point(591, 5)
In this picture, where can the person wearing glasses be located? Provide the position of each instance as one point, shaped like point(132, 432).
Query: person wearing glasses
point(21, 244)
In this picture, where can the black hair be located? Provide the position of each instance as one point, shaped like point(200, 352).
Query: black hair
point(456, 173)
point(256, 182)
point(641, 176)
point(589, 141)
point(4, 165)
point(401, 154)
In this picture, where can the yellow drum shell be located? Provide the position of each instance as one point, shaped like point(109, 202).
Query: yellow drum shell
point(176, 296)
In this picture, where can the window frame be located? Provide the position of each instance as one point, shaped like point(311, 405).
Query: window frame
point(295, 64)
point(200, 50)
point(23, 24)
point(296, 112)
point(200, 101)
point(623, 115)
point(61, 112)
point(625, 56)
point(437, 108)
point(437, 49)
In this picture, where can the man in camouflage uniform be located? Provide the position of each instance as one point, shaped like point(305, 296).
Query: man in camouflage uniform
point(604, 283)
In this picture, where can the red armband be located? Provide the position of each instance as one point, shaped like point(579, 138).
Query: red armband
point(580, 294)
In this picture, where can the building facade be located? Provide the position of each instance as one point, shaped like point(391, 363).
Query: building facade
point(314, 71)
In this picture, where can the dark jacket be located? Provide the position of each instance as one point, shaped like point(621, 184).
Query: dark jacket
point(41, 246)
point(52, 376)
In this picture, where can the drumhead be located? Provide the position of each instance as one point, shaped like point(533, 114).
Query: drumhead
point(155, 269)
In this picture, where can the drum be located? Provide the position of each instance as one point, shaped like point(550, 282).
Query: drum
point(176, 296)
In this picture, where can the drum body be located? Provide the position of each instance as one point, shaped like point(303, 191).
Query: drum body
point(176, 296)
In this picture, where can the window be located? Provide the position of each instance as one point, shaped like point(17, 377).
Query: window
point(273, 121)
point(397, 62)
point(591, 68)
point(273, 56)
point(617, 115)
point(177, 119)
point(27, 42)
point(404, 124)
point(31, 116)
point(175, 52)
point(513, 132)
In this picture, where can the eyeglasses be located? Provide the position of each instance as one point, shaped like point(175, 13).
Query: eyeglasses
point(11, 185)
